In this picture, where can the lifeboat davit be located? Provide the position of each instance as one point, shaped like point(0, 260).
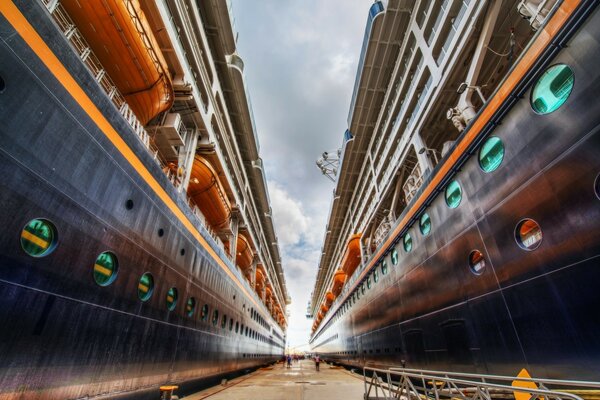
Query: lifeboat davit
point(120, 36)
point(352, 255)
point(244, 254)
point(206, 191)
point(339, 279)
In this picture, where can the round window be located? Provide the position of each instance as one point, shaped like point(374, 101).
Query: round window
point(362, 288)
point(190, 306)
point(407, 243)
point(597, 186)
point(237, 326)
point(215, 317)
point(552, 89)
point(357, 297)
point(476, 262)
point(171, 299)
point(425, 224)
point(38, 237)
point(231, 324)
point(394, 256)
point(105, 268)
point(491, 154)
point(145, 286)
point(204, 312)
point(528, 234)
point(376, 275)
point(384, 268)
point(369, 282)
point(453, 194)
point(224, 322)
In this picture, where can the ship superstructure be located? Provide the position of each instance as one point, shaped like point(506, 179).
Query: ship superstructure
point(444, 182)
point(140, 172)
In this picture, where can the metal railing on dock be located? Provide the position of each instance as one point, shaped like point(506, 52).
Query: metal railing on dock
point(414, 384)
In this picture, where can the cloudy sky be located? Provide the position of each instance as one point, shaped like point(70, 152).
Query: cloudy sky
point(300, 64)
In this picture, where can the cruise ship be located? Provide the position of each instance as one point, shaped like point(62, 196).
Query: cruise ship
point(464, 229)
point(138, 246)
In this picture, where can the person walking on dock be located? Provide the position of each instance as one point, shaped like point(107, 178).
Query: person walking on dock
point(289, 361)
point(317, 362)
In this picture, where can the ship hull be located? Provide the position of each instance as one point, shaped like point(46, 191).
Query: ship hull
point(527, 309)
point(61, 334)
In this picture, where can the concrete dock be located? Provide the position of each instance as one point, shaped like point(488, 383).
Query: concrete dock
point(301, 381)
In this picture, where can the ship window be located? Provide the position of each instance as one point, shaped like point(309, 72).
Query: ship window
point(368, 282)
point(407, 242)
point(491, 154)
point(357, 296)
point(204, 312)
point(394, 256)
point(552, 89)
point(597, 186)
point(384, 268)
point(161, 232)
point(231, 324)
point(425, 224)
point(453, 194)
point(237, 326)
point(38, 237)
point(190, 306)
point(145, 286)
point(215, 317)
point(476, 262)
point(171, 299)
point(224, 321)
point(182, 251)
point(129, 204)
point(376, 275)
point(105, 268)
point(2, 85)
point(362, 288)
point(528, 234)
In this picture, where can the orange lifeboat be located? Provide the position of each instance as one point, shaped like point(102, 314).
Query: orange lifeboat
point(352, 256)
point(206, 191)
point(121, 37)
point(339, 279)
point(244, 254)
point(324, 308)
point(329, 298)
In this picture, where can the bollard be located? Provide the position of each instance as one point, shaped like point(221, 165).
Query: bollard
point(166, 393)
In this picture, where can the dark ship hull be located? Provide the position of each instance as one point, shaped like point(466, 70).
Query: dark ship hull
point(62, 335)
point(528, 309)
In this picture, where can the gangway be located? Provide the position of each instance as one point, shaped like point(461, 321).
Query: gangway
point(415, 384)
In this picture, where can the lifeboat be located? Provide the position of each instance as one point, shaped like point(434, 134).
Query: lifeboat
point(352, 255)
point(244, 254)
point(329, 298)
point(324, 308)
point(120, 36)
point(339, 279)
point(206, 191)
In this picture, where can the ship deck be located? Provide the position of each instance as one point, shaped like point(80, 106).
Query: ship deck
point(301, 381)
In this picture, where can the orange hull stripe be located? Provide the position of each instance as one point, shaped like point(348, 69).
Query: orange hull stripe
point(533, 53)
point(39, 47)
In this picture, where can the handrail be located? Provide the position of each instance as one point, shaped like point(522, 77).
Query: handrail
point(414, 384)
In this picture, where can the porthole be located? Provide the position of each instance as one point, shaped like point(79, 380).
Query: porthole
point(215, 317)
point(376, 275)
point(224, 321)
point(369, 282)
point(171, 299)
point(204, 312)
point(597, 186)
point(476, 262)
point(105, 268)
point(552, 89)
point(38, 237)
point(237, 326)
point(145, 286)
point(425, 224)
point(384, 268)
point(491, 154)
point(528, 234)
point(407, 242)
point(129, 204)
point(362, 288)
point(161, 232)
point(2, 85)
point(190, 306)
point(394, 256)
point(182, 252)
point(453, 194)
point(231, 324)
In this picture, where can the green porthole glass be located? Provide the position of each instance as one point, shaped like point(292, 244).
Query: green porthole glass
point(384, 268)
point(369, 282)
point(425, 224)
point(105, 268)
point(552, 89)
point(394, 256)
point(38, 237)
point(215, 317)
point(204, 312)
point(376, 275)
point(171, 299)
point(362, 288)
point(407, 242)
point(145, 286)
point(453, 194)
point(190, 306)
point(491, 154)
